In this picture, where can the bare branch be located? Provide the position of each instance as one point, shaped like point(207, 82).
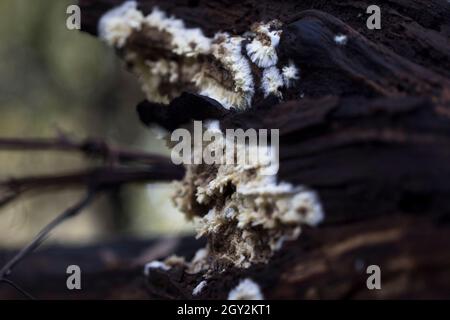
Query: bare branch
point(102, 177)
point(18, 288)
point(89, 147)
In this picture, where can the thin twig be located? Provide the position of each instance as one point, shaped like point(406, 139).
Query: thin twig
point(18, 288)
point(89, 147)
point(159, 168)
point(40, 237)
point(101, 177)
point(155, 168)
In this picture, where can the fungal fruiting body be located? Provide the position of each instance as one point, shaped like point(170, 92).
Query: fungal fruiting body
point(340, 39)
point(228, 79)
point(117, 24)
point(169, 58)
point(249, 214)
point(290, 74)
point(247, 289)
point(169, 63)
point(262, 49)
point(245, 213)
point(272, 81)
point(262, 52)
point(189, 42)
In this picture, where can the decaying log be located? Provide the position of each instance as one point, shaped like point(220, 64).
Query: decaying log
point(331, 262)
point(367, 127)
point(325, 263)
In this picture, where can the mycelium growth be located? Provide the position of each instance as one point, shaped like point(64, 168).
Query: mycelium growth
point(247, 289)
point(245, 214)
point(272, 82)
point(290, 74)
point(169, 58)
point(228, 78)
point(171, 50)
point(117, 24)
point(262, 49)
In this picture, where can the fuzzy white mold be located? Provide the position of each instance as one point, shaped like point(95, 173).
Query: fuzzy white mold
point(255, 215)
point(116, 25)
point(188, 42)
point(199, 288)
point(171, 75)
point(164, 69)
point(290, 74)
point(262, 49)
point(213, 126)
point(340, 39)
point(251, 214)
point(246, 290)
point(165, 78)
point(272, 81)
point(150, 82)
point(227, 74)
point(227, 50)
point(199, 262)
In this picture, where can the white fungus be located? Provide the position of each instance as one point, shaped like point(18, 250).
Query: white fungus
point(340, 39)
point(246, 290)
point(164, 68)
point(213, 125)
point(290, 74)
point(199, 288)
point(262, 49)
point(249, 214)
point(272, 81)
point(225, 76)
point(165, 78)
point(117, 24)
point(228, 51)
point(155, 265)
point(256, 213)
point(189, 42)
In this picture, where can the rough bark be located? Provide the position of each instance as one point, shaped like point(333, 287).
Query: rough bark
point(370, 135)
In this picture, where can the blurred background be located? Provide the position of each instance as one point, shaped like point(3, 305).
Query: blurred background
point(54, 80)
